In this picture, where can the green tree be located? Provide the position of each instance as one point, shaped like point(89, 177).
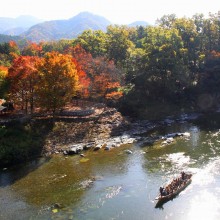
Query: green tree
point(163, 70)
point(94, 42)
point(119, 44)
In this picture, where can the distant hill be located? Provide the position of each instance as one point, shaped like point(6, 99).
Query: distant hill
point(7, 38)
point(15, 26)
point(68, 29)
point(138, 23)
point(15, 31)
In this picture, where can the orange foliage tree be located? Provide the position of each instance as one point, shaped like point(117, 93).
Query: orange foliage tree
point(82, 60)
point(107, 79)
point(100, 74)
point(23, 77)
point(13, 50)
point(58, 81)
point(32, 49)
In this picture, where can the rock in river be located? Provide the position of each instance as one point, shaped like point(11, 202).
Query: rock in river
point(128, 151)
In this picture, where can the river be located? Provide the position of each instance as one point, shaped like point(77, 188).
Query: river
point(116, 185)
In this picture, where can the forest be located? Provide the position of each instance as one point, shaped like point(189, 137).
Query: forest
point(174, 63)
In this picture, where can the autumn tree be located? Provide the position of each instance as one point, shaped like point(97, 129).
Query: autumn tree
point(32, 49)
point(106, 80)
point(83, 58)
point(8, 51)
point(23, 77)
point(99, 75)
point(83, 61)
point(3, 81)
point(58, 81)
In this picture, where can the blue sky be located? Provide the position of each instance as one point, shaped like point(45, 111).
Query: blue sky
point(117, 11)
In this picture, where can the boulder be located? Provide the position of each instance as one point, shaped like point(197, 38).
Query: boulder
point(75, 150)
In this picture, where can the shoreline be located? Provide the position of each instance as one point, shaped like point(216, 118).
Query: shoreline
point(105, 129)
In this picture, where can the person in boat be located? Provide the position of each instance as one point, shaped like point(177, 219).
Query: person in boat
point(162, 191)
point(183, 175)
point(167, 190)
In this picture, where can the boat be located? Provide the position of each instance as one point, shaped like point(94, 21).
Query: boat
point(160, 200)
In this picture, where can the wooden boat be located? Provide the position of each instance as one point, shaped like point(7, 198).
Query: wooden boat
point(163, 199)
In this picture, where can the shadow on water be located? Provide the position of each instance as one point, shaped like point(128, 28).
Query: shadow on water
point(21, 147)
point(14, 173)
point(208, 121)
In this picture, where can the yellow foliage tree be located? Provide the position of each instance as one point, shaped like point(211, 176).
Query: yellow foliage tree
point(3, 81)
point(58, 81)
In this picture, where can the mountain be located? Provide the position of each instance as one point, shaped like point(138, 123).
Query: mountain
point(15, 26)
point(33, 29)
point(15, 31)
point(68, 29)
point(138, 23)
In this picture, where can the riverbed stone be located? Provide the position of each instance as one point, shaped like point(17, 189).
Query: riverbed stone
point(86, 183)
point(108, 147)
point(88, 146)
point(65, 152)
point(98, 147)
point(128, 151)
point(186, 134)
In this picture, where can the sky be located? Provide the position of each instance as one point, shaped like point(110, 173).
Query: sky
point(117, 11)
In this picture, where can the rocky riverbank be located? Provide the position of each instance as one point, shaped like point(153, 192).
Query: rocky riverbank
point(68, 134)
point(106, 129)
point(78, 133)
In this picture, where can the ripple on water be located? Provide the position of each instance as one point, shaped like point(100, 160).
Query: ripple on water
point(178, 159)
point(206, 174)
point(179, 162)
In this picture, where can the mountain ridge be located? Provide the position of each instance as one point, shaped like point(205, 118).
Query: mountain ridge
point(60, 29)
point(69, 28)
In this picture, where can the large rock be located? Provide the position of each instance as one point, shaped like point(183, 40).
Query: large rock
point(75, 149)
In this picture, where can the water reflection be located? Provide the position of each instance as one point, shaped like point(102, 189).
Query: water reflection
point(195, 136)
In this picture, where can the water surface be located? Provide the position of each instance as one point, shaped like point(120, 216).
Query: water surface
point(116, 185)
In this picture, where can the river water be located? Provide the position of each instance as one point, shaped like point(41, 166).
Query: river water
point(116, 185)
